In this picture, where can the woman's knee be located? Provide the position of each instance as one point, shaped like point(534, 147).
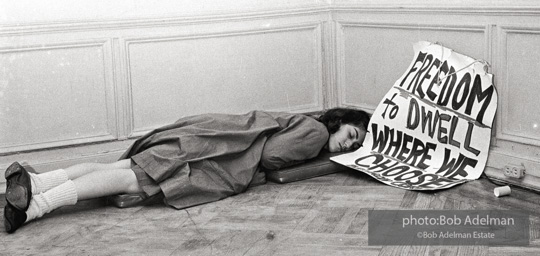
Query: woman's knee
point(133, 183)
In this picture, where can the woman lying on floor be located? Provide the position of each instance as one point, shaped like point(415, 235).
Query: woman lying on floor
point(196, 160)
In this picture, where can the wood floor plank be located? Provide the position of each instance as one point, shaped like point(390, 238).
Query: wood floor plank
point(322, 216)
point(409, 198)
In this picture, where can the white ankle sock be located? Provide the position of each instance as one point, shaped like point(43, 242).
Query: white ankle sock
point(42, 203)
point(44, 181)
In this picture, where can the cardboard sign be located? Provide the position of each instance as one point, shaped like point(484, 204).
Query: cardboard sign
point(432, 130)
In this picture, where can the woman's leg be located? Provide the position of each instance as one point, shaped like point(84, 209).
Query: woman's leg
point(78, 170)
point(105, 183)
point(44, 181)
point(92, 185)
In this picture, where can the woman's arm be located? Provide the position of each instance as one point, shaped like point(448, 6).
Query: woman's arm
point(302, 138)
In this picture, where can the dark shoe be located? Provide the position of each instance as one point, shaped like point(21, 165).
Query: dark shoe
point(13, 218)
point(19, 188)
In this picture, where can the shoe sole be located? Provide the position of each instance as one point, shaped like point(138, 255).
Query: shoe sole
point(13, 218)
point(12, 169)
point(17, 196)
point(7, 224)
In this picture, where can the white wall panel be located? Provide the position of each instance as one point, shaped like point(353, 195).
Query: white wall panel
point(267, 69)
point(53, 95)
point(373, 56)
point(517, 137)
point(519, 90)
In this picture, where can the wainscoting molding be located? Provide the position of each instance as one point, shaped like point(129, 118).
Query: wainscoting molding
point(179, 104)
point(337, 53)
point(155, 22)
point(28, 104)
point(375, 74)
point(286, 57)
point(519, 51)
point(517, 137)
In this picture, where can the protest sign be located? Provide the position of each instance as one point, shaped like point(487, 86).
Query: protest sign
point(432, 130)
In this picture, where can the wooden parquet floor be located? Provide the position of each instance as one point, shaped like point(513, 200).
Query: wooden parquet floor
point(322, 216)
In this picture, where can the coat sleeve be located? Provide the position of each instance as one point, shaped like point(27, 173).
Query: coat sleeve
point(301, 138)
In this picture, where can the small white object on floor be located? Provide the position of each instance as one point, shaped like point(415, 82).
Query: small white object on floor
point(502, 191)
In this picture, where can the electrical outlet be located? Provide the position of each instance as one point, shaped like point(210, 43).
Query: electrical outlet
point(514, 171)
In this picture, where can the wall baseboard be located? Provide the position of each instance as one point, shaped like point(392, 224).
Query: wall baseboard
point(528, 182)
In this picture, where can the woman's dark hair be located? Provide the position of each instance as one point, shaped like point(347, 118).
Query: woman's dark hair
point(335, 117)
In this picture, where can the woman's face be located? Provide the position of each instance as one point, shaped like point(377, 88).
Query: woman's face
point(348, 137)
